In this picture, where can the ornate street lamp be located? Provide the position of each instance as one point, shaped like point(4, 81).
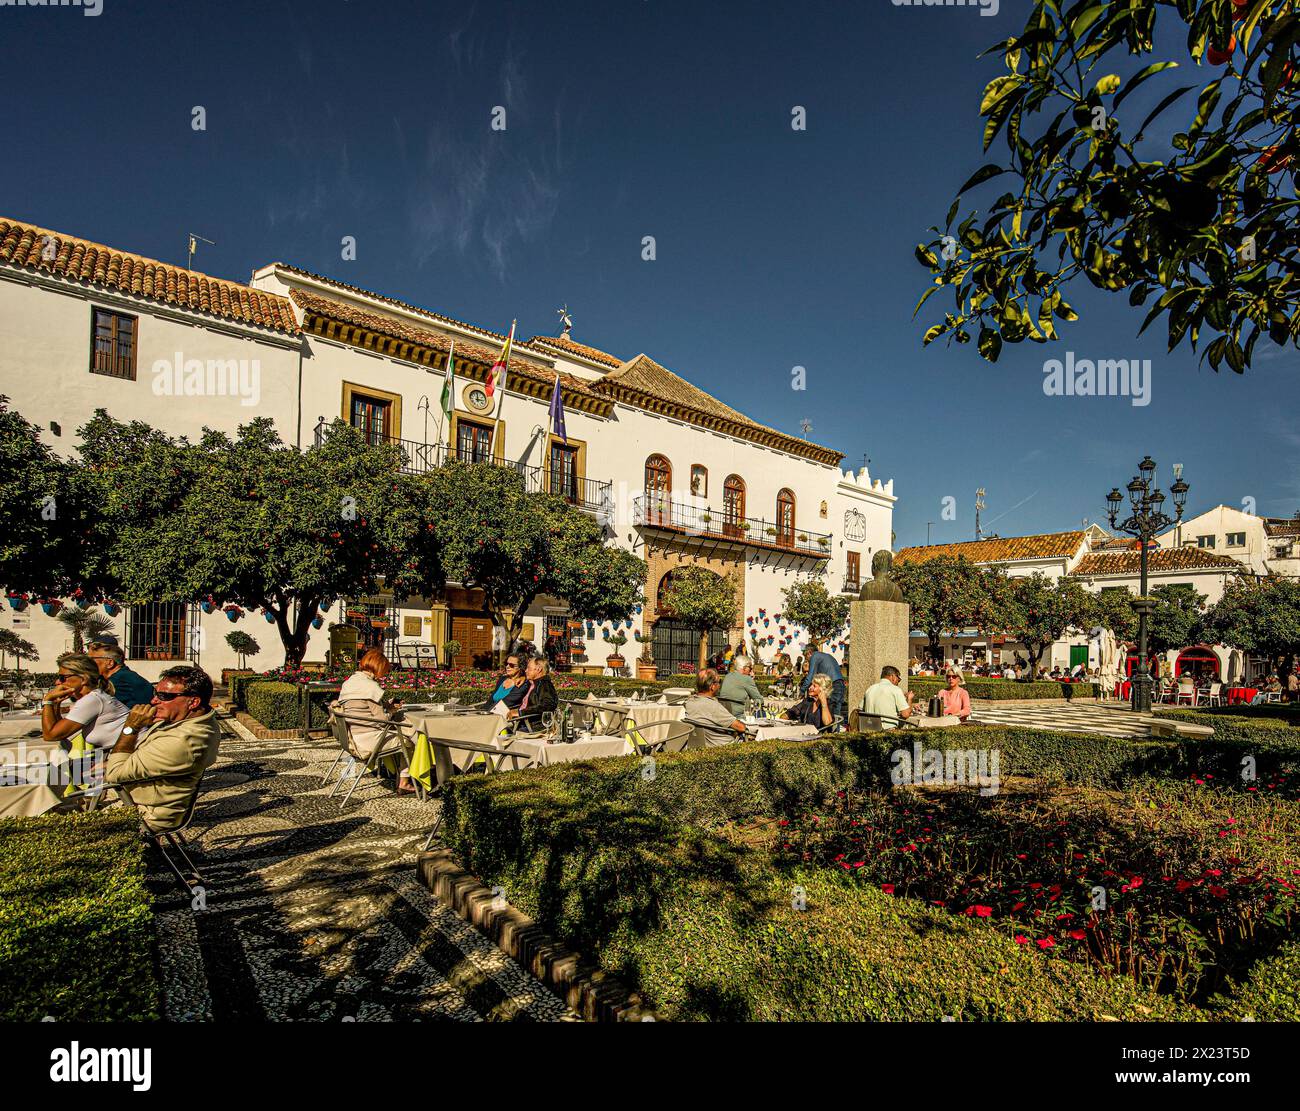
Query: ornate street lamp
point(1147, 520)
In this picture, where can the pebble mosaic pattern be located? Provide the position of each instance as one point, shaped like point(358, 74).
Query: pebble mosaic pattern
point(314, 913)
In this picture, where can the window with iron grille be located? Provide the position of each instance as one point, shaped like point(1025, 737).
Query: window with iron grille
point(113, 344)
point(156, 631)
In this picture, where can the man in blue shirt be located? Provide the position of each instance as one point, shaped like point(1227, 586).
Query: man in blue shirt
point(823, 663)
point(128, 688)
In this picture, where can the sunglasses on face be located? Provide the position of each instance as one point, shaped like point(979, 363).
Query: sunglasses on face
point(167, 696)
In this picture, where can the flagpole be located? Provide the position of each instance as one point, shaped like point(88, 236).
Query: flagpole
point(505, 378)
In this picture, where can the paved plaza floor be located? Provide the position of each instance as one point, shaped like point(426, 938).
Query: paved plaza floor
point(1109, 719)
point(315, 913)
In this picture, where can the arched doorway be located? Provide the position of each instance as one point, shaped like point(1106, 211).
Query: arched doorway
point(677, 645)
point(733, 505)
point(1199, 661)
point(658, 490)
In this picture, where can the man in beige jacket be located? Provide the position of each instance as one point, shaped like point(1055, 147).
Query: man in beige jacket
point(165, 747)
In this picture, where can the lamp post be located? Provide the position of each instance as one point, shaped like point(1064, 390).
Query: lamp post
point(1147, 519)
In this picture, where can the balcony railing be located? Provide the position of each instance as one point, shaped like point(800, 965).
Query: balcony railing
point(851, 585)
point(660, 512)
point(589, 494)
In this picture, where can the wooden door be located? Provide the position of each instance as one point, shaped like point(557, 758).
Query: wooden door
point(475, 637)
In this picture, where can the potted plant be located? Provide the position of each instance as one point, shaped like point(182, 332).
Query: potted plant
point(824, 541)
point(380, 621)
point(153, 652)
point(646, 668)
point(112, 608)
point(743, 526)
point(17, 602)
point(317, 621)
point(450, 650)
point(80, 600)
point(616, 660)
point(770, 530)
point(233, 613)
point(269, 616)
point(208, 604)
point(243, 646)
point(51, 606)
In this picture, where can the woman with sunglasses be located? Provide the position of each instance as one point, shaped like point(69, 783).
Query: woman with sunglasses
point(512, 685)
point(94, 712)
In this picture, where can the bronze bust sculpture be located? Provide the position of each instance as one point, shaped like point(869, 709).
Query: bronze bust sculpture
point(881, 588)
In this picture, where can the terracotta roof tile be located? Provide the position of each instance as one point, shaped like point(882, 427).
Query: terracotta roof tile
point(642, 379)
point(1158, 559)
point(1048, 545)
point(405, 332)
point(436, 316)
point(1282, 528)
point(562, 343)
point(26, 246)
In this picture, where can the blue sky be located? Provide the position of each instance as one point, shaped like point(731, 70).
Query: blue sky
point(632, 118)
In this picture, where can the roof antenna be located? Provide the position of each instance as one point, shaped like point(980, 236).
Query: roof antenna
point(195, 240)
point(979, 504)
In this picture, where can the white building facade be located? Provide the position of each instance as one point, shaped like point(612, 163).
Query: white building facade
point(678, 477)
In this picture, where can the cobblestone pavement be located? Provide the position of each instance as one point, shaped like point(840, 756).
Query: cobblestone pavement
point(315, 913)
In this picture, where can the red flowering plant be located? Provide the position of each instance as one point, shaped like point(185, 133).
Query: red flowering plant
point(1175, 884)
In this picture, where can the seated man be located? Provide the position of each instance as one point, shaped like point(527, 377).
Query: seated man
point(886, 700)
point(956, 699)
point(129, 688)
point(707, 714)
point(165, 747)
point(540, 698)
point(739, 687)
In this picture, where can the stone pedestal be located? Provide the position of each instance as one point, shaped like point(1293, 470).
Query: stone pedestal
point(878, 637)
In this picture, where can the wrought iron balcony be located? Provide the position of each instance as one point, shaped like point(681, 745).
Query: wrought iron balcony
point(660, 512)
point(589, 494)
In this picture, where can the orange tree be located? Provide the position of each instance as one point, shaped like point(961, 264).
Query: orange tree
point(1261, 617)
point(947, 594)
point(1188, 204)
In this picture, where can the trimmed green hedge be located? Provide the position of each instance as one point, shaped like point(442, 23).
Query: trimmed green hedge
point(1265, 730)
point(1004, 689)
point(707, 929)
point(76, 924)
point(1270, 993)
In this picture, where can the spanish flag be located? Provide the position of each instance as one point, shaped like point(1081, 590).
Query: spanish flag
point(496, 378)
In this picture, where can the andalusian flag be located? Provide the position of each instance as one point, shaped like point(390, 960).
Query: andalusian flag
point(449, 387)
point(496, 379)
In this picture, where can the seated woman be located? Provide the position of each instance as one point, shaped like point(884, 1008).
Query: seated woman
point(815, 709)
point(540, 696)
point(362, 696)
point(511, 686)
point(94, 714)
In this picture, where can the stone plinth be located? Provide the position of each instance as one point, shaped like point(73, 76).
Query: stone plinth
point(878, 637)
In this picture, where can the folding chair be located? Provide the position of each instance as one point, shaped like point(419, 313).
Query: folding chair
point(677, 696)
point(162, 838)
point(1215, 695)
point(389, 743)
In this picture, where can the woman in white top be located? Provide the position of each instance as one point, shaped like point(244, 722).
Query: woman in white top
point(94, 712)
point(362, 695)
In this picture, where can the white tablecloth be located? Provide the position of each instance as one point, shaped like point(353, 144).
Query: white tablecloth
point(27, 801)
point(593, 749)
point(782, 730)
point(15, 728)
point(613, 712)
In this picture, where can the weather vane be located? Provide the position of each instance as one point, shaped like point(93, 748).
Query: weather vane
point(806, 425)
point(566, 321)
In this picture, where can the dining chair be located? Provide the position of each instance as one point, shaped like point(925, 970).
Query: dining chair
point(674, 736)
point(1214, 697)
point(388, 743)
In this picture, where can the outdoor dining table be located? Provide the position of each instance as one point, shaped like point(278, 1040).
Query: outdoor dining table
point(15, 727)
point(774, 729)
point(28, 800)
point(1241, 695)
point(538, 748)
point(612, 713)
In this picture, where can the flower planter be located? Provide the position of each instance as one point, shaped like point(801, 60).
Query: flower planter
point(207, 607)
point(112, 609)
point(380, 622)
point(52, 608)
point(646, 672)
point(17, 602)
point(615, 661)
point(227, 672)
point(233, 615)
point(317, 622)
point(81, 603)
point(269, 617)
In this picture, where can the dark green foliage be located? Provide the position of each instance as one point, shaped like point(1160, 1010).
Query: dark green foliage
point(76, 924)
